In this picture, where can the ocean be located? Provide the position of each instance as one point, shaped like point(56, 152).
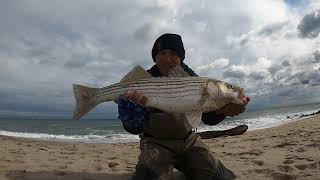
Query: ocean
point(111, 130)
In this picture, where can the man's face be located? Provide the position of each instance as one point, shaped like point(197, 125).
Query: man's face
point(166, 60)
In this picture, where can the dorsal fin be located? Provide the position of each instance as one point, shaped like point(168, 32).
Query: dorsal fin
point(135, 74)
point(177, 72)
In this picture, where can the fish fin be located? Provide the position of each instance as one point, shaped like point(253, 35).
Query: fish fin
point(194, 118)
point(177, 72)
point(84, 103)
point(135, 74)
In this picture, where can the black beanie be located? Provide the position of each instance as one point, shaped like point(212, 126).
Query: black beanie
point(168, 41)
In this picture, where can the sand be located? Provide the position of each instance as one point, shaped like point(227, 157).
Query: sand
point(290, 151)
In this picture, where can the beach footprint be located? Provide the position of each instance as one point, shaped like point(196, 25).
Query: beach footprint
point(286, 168)
point(253, 152)
point(313, 165)
point(288, 161)
point(294, 157)
point(284, 176)
point(258, 162)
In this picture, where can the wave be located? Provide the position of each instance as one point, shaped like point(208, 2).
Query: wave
point(255, 120)
point(90, 138)
point(258, 121)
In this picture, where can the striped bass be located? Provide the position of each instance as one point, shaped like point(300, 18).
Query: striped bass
point(176, 94)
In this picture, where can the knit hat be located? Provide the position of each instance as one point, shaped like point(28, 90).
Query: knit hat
point(168, 41)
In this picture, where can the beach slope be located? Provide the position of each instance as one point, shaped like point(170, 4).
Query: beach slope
point(290, 151)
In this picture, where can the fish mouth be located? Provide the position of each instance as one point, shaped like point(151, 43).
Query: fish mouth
point(241, 93)
point(243, 98)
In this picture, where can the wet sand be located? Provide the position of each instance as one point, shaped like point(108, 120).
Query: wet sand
point(290, 151)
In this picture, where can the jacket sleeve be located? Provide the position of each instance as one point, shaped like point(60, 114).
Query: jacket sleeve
point(132, 115)
point(211, 118)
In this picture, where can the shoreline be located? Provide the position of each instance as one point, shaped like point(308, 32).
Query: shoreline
point(288, 151)
point(69, 139)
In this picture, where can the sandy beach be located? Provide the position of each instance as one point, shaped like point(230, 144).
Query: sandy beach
point(290, 151)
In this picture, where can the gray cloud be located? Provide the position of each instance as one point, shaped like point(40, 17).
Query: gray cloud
point(285, 63)
point(316, 56)
point(309, 27)
point(256, 76)
point(76, 64)
point(229, 73)
point(272, 28)
point(145, 32)
point(45, 47)
point(269, 30)
point(274, 70)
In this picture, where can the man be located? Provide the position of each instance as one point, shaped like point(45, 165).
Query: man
point(167, 140)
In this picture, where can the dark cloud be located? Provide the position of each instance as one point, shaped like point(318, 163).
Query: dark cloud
point(305, 81)
point(269, 29)
point(256, 76)
point(309, 26)
point(265, 31)
point(297, 3)
point(75, 63)
point(45, 47)
point(316, 56)
point(311, 77)
point(285, 63)
point(28, 100)
point(285, 92)
point(274, 69)
point(229, 73)
point(144, 32)
point(314, 77)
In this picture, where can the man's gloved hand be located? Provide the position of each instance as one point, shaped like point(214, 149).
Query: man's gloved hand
point(132, 114)
point(233, 109)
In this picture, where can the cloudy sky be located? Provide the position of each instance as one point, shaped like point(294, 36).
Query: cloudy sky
point(269, 47)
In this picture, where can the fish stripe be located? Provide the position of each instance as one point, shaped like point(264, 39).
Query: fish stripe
point(152, 82)
point(155, 91)
point(162, 85)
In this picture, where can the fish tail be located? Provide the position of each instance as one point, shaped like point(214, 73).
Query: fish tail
point(84, 102)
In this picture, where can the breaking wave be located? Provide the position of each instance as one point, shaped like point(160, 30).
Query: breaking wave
point(90, 138)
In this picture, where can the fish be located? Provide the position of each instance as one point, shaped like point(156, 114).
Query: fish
point(178, 93)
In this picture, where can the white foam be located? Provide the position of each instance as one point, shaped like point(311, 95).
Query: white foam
point(90, 138)
point(258, 122)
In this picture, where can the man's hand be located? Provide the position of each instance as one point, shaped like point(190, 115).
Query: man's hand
point(136, 97)
point(233, 109)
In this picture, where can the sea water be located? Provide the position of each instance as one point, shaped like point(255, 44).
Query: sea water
point(111, 130)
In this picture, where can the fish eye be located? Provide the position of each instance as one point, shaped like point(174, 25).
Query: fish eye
point(229, 86)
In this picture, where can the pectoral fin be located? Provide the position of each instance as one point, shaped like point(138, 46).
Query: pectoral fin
point(135, 74)
point(194, 118)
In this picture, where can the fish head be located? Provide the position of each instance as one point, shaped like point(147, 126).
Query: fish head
point(226, 91)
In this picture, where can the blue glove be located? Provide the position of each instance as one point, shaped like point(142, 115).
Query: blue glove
point(132, 115)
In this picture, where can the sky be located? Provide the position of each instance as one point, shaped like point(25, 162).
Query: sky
point(271, 48)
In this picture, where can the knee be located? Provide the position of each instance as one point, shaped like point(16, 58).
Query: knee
point(144, 172)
